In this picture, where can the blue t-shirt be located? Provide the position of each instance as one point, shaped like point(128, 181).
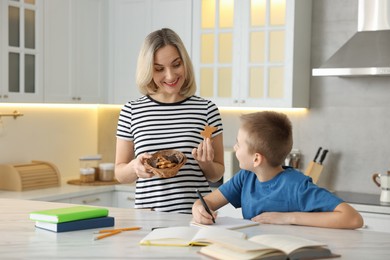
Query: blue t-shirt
point(289, 191)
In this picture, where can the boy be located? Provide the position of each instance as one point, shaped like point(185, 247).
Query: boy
point(269, 193)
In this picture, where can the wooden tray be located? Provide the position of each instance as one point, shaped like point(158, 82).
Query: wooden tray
point(95, 183)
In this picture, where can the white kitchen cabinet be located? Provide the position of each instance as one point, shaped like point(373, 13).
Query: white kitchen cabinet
point(253, 53)
point(130, 22)
point(376, 222)
point(66, 200)
point(75, 51)
point(21, 45)
point(124, 199)
point(97, 199)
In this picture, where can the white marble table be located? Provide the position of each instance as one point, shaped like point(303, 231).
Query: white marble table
point(21, 240)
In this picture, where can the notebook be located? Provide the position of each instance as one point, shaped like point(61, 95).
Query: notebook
point(59, 215)
point(77, 224)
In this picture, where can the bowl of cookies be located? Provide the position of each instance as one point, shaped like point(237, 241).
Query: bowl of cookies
point(165, 163)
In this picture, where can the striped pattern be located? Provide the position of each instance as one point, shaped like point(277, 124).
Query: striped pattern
point(154, 126)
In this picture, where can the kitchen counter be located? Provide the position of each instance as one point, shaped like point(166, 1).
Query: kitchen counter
point(364, 202)
point(360, 201)
point(64, 191)
point(21, 240)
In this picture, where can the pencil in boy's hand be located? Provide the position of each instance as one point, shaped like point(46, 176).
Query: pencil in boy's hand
point(204, 204)
point(108, 234)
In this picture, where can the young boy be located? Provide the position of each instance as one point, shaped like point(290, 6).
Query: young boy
point(269, 193)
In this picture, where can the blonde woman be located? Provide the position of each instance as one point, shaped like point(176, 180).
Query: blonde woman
point(168, 116)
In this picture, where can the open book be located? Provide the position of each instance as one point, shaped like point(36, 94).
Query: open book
point(189, 236)
point(228, 223)
point(267, 247)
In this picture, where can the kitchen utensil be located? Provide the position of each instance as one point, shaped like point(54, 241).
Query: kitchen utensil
point(323, 155)
point(318, 153)
point(383, 181)
point(311, 164)
point(314, 169)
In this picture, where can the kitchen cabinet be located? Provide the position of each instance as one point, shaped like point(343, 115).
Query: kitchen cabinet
point(75, 51)
point(97, 199)
point(376, 222)
point(130, 22)
point(124, 199)
point(21, 51)
point(106, 199)
point(253, 53)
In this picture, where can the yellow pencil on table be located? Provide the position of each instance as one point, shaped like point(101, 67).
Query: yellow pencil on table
point(108, 234)
point(118, 229)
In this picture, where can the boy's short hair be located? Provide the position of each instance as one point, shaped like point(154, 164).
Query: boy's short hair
point(270, 134)
point(145, 65)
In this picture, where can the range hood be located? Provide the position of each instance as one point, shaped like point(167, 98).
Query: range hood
point(367, 53)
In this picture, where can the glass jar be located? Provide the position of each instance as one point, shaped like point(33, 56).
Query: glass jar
point(106, 172)
point(91, 161)
point(87, 175)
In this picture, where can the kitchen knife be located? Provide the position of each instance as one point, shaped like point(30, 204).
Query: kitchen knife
point(318, 153)
point(323, 155)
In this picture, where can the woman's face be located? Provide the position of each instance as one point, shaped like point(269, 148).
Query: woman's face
point(168, 73)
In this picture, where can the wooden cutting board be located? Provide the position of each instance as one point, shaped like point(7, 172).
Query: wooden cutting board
point(95, 183)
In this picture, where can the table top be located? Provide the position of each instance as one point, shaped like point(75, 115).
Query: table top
point(21, 240)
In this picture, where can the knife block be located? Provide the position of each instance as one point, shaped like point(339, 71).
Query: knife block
point(314, 171)
point(30, 176)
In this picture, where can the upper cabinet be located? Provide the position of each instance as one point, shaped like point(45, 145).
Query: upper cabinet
point(53, 51)
point(253, 53)
point(130, 22)
point(21, 51)
point(75, 35)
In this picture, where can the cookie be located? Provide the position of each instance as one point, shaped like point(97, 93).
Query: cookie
point(208, 131)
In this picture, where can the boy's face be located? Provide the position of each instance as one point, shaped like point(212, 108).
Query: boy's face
point(244, 158)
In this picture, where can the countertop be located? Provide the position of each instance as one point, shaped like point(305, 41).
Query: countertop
point(64, 191)
point(21, 240)
point(364, 202)
point(360, 201)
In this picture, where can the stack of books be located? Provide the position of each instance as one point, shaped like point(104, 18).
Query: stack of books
point(72, 218)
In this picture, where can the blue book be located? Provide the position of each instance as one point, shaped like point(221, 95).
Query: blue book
point(77, 224)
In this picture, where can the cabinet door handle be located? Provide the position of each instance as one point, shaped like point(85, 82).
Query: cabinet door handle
point(88, 201)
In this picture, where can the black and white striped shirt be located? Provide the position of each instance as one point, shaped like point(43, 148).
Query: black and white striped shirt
point(154, 126)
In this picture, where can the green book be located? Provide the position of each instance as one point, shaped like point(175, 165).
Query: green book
point(67, 214)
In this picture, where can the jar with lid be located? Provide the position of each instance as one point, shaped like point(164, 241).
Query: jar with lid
point(87, 175)
point(91, 161)
point(106, 171)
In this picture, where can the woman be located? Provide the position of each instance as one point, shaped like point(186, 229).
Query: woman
point(168, 116)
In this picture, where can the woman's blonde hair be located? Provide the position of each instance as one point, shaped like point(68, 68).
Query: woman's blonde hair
point(153, 42)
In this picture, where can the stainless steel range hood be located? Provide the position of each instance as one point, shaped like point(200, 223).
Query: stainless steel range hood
point(367, 53)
